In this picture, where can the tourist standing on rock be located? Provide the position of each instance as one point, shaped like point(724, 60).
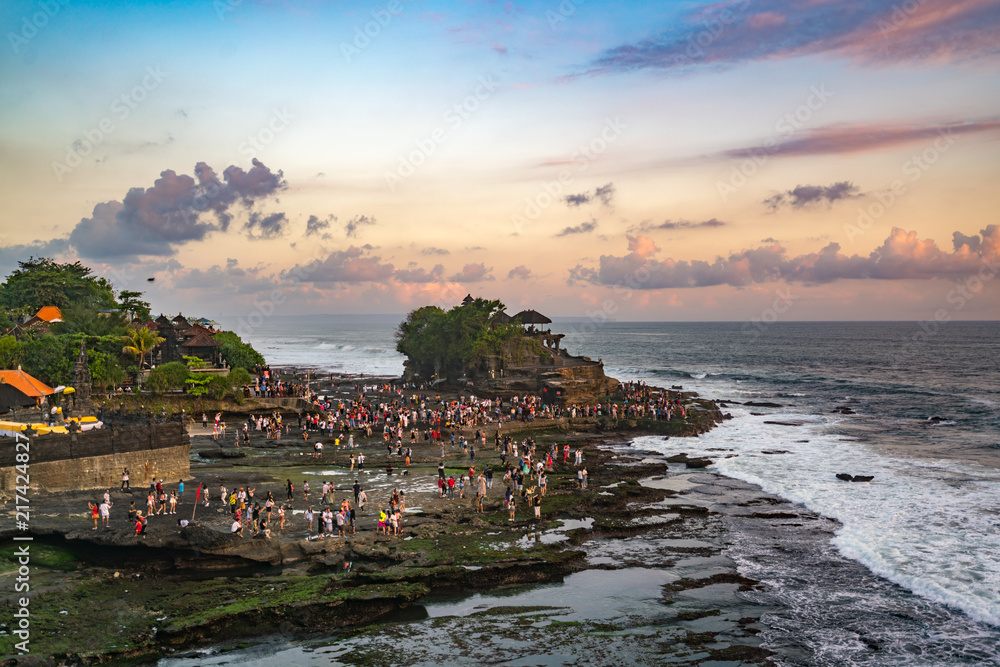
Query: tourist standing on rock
point(340, 523)
point(95, 512)
point(204, 420)
point(106, 512)
point(361, 461)
point(362, 499)
point(180, 490)
point(173, 503)
point(309, 520)
point(162, 509)
point(357, 491)
point(290, 488)
point(125, 486)
point(305, 490)
point(451, 487)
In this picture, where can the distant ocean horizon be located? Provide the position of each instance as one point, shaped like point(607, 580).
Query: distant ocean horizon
point(916, 406)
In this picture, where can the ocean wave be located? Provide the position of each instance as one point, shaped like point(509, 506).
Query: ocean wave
point(924, 525)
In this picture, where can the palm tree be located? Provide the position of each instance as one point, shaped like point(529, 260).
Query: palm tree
point(141, 342)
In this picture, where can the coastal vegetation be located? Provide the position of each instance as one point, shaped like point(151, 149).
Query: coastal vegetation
point(457, 342)
point(112, 324)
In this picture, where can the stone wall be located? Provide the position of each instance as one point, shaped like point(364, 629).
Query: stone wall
point(94, 459)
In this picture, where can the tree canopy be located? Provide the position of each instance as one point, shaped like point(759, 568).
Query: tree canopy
point(440, 342)
point(45, 282)
point(237, 353)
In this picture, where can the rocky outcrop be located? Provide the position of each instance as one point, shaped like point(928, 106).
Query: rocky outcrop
point(844, 477)
point(580, 383)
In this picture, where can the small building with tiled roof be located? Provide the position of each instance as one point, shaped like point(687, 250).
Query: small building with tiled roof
point(202, 346)
point(26, 384)
point(49, 314)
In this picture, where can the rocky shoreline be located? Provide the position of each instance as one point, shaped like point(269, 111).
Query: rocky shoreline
point(106, 596)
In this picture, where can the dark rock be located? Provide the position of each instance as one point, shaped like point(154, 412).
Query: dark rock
point(698, 463)
point(221, 454)
point(843, 409)
point(843, 476)
point(776, 423)
point(937, 419)
point(756, 404)
point(677, 458)
point(774, 451)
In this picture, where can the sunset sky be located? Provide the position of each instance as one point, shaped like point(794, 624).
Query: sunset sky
point(639, 161)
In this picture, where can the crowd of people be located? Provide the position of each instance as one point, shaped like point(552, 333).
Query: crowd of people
point(397, 412)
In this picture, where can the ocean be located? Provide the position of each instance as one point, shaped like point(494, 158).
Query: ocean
point(916, 406)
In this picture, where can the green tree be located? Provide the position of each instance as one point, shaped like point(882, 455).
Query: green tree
point(11, 352)
point(130, 303)
point(139, 342)
point(81, 319)
point(240, 377)
point(440, 343)
point(50, 358)
point(219, 386)
point(105, 369)
point(44, 282)
point(172, 375)
point(197, 385)
point(237, 353)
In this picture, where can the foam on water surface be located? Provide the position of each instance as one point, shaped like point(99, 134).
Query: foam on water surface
point(929, 526)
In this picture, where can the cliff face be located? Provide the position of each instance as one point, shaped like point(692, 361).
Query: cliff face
point(565, 385)
point(534, 364)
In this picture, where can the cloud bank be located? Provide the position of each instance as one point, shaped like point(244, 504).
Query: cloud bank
point(176, 210)
point(902, 256)
point(869, 32)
